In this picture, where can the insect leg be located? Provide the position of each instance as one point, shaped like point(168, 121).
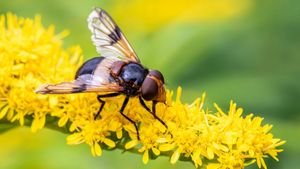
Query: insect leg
point(131, 121)
point(102, 102)
point(153, 112)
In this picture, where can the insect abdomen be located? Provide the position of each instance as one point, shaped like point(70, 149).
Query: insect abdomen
point(89, 66)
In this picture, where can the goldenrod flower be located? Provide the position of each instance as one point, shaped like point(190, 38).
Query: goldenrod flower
point(32, 55)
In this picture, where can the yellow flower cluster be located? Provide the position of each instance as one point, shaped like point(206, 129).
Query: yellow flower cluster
point(32, 55)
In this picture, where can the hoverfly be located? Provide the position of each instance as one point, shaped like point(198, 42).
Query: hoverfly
point(117, 71)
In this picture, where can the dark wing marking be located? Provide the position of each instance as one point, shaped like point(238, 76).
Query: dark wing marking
point(108, 38)
point(84, 83)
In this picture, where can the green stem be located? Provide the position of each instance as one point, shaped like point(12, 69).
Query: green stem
point(6, 126)
point(51, 123)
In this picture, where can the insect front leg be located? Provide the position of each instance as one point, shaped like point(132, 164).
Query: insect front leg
point(129, 119)
point(153, 112)
point(155, 116)
point(102, 102)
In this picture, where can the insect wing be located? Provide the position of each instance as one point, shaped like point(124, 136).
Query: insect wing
point(108, 38)
point(84, 83)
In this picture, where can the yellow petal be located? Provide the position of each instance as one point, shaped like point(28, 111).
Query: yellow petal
point(15, 117)
point(196, 163)
point(280, 143)
point(97, 151)
point(72, 127)
point(178, 95)
point(34, 125)
point(10, 115)
point(213, 166)
point(142, 149)
point(218, 109)
point(202, 100)
point(131, 144)
point(75, 138)
point(62, 121)
point(210, 153)
point(161, 140)
point(4, 111)
point(155, 151)
point(263, 163)
point(21, 119)
point(119, 134)
point(166, 147)
point(258, 162)
point(2, 104)
point(220, 147)
point(109, 142)
point(249, 163)
point(113, 125)
point(145, 157)
point(244, 147)
point(196, 158)
point(160, 126)
point(239, 111)
point(41, 122)
point(175, 156)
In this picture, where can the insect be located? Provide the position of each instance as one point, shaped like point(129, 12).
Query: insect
point(117, 71)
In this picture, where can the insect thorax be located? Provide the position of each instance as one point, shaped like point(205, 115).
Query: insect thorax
point(133, 76)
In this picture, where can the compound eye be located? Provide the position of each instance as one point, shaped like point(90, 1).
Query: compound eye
point(149, 89)
point(158, 75)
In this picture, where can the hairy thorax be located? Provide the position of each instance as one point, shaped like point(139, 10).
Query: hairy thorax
point(132, 76)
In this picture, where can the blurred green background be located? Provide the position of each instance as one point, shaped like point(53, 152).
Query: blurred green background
point(245, 50)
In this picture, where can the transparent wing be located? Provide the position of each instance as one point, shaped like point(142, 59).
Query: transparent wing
point(108, 38)
point(84, 83)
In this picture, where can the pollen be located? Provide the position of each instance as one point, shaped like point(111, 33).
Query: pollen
point(32, 54)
